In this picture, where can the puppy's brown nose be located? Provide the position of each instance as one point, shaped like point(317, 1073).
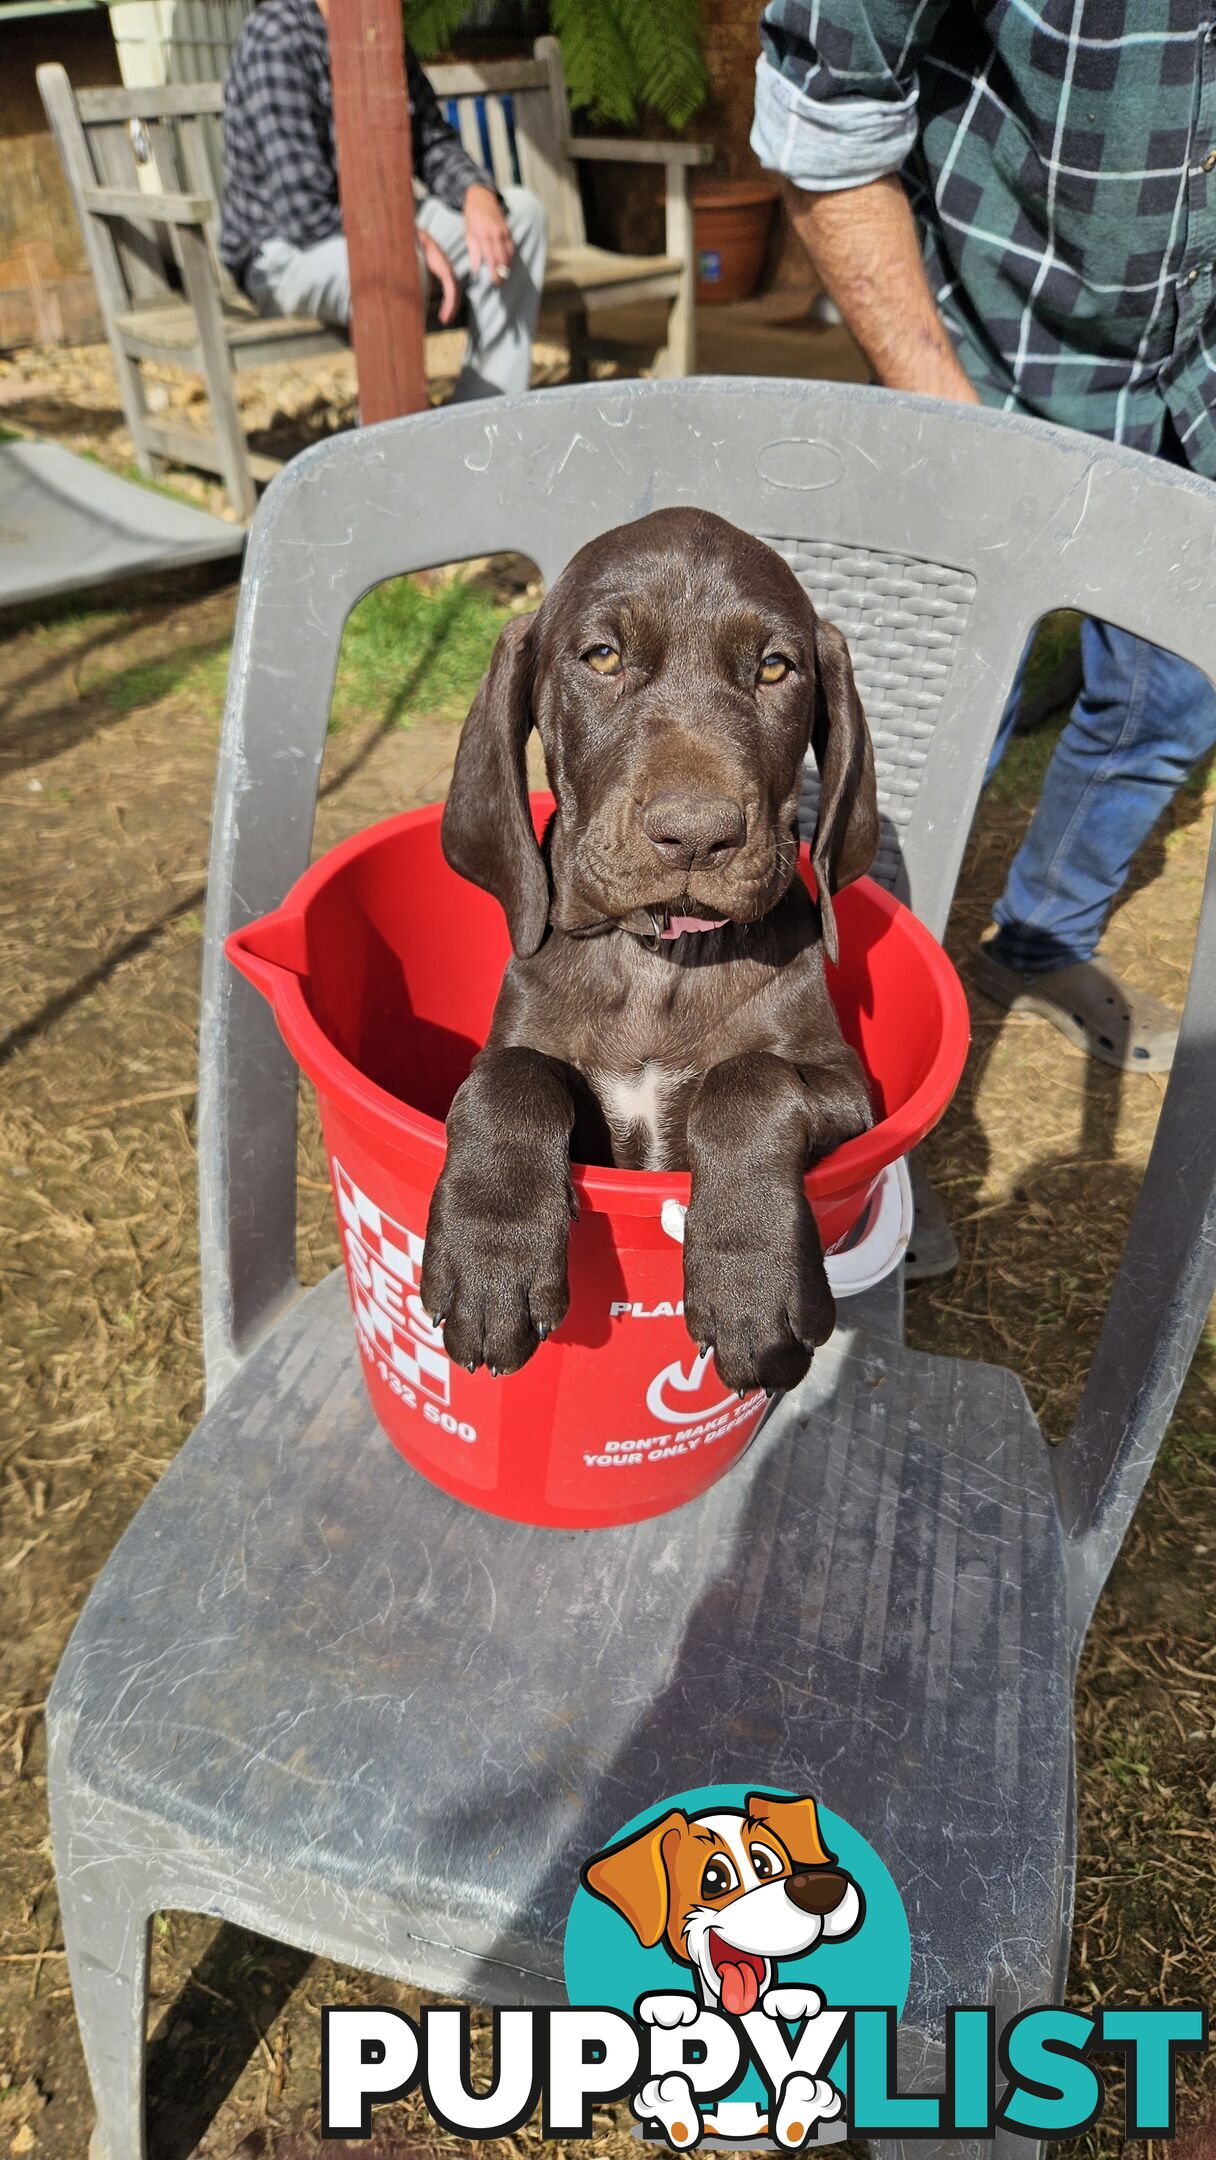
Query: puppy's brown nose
point(819, 1890)
point(688, 830)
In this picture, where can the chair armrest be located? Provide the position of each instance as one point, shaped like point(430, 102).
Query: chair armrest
point(133, 203)
point(626, 151)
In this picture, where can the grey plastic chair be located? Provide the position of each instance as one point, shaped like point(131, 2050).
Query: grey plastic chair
point(313, 1695)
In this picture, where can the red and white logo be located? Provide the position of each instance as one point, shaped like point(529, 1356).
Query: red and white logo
point(677, 1395)
point(383, 1265)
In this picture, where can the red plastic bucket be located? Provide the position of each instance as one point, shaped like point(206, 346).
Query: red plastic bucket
point(383, 968)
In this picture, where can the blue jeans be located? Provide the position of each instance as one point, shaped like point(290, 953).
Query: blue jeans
point(1140, 724)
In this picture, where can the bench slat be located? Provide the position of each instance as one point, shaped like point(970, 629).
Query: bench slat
point(164, 209)
point(490, 78)
point(502, 157)
point(156, 101)
point(470, 131)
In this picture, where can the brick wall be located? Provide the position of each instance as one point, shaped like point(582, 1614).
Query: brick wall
point(732, 42)
point(45, 288)
point(625, 204)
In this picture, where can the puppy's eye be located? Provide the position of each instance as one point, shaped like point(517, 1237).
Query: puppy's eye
point(719, 1877)
point(605, 659)
point(765, 1862)
point(773, 668)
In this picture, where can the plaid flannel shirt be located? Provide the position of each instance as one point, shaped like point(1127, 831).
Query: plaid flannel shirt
point(1061, 160)
point(280, 154)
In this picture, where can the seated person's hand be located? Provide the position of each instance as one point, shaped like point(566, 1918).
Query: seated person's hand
point(487, 234)
point(441, 270)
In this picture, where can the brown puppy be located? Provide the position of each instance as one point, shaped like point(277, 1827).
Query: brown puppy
point(666, 1007)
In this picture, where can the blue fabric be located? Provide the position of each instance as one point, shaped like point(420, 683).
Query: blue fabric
point(1140, 724)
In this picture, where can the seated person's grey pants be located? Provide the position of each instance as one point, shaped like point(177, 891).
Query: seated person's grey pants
point(286, 280)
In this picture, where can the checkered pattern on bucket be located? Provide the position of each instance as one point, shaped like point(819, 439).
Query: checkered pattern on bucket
point(903, 620)
point(383, 1257)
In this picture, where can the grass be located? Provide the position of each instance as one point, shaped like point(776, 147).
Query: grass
point(1021, 771)
point(410, 646)
point(197, 671)
point(410, 640)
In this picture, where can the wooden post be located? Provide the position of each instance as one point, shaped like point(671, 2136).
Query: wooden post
point(376, 178)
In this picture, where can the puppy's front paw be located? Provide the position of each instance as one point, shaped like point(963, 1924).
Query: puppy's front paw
point(792, 2003)
point(755, 1287)
point(494, 1268)
point(669, 2010)
point(671, 2102)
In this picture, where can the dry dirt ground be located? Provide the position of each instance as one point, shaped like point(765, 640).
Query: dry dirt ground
point(108, 723)
point(69, 393)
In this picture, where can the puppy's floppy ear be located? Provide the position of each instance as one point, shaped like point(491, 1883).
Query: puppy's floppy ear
point(633, 1877)
point(487, 826)
point(796, 1823)
point(846, 830)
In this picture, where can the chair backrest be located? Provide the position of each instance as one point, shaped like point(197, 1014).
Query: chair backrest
point(513, 117)
point(159, 138)
point(937, 535)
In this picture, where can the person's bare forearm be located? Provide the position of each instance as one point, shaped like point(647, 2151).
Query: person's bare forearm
point(863, 243)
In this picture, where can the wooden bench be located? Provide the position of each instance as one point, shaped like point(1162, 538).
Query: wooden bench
point(145, 167)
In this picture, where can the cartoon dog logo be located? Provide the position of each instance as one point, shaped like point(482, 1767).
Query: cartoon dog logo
point(730, 1893)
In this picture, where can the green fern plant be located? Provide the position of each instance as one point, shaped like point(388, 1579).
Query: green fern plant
point(620, 55)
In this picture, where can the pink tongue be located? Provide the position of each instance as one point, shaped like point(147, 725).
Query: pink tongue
point(739, 1989)
point(680, 923)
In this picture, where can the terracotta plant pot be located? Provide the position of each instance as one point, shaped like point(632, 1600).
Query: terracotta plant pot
point(731, 220)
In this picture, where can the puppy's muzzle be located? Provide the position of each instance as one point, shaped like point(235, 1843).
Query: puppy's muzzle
point(817, 1890)
point(694, 832)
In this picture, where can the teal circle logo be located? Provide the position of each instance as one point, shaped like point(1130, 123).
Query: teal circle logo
point(658, 1909)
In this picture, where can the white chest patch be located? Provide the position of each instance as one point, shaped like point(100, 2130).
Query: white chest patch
point(642, 1099)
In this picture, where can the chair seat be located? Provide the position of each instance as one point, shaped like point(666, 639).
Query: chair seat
point(172, 324)
point(308, 1662)
point(589, 270)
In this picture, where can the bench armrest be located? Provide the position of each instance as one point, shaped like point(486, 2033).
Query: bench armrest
point(626, 151)
point(159, 209)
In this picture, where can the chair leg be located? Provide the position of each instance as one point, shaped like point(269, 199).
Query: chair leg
point(230, 435)
point(679, 356)
point(217, 372)
point(135, 406)
point(107, 1946)
point(576, 339)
